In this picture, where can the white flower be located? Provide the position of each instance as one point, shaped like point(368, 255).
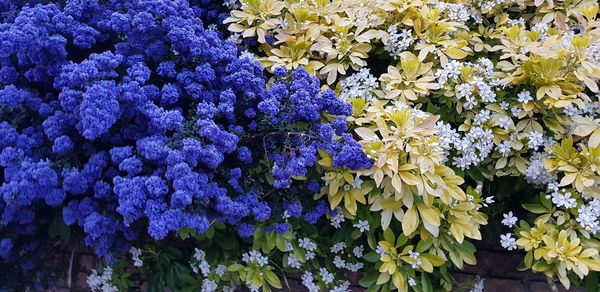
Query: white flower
point(398, 42)
point(355, 267)
point(589, 216)
point(508, 242)
point(208, 286)
point(415, 256)
point(504, 105)
point(135, 256)
point(221, 270)
point(344, 287)
point(488, 201)
point(563, 199)
point(524, 97)
point(482, 117)
point(515, 111)
point(412, 282)
point(358, 251)
point(101, 283)
point(478, 287)
point(293, 262)
point(326, 276)
point(505, 123)
point(338, 247)
point(339, 262)
point(536, 139)
point(357, 183)
point(310, 255)
point(308, 282)
point(305, 243)
point(359, 85)
point(362, 225)
point(337, 219)
point(199, 254)
point(255, 255)
point(509, 220)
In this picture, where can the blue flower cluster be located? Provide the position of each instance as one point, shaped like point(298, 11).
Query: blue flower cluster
point(132, 119)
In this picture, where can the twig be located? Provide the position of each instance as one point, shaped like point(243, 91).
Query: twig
point(552, 284)
point(69, 275)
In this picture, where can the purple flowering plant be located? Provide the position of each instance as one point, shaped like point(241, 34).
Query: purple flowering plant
point(127, 122)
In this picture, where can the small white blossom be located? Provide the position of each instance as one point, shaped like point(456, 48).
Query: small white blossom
point(358, 251)
point(362, 225)
point(509, 219)
point(508, 242)
point(326, 276)
point(338, 247)
point(524, 97)
point(412, 282)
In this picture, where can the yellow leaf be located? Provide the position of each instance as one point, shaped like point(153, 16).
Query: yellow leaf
point(429, 214)
point(410, 221)
point(398, 281)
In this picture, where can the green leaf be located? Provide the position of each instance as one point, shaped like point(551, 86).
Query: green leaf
point(371, 240)
point(591, 282)
point(535, 208)
point(423, 245)
point(388, 235)
point(475, 174)
point(273, 279)
point(369, 280)
point(372, 257)
point(235, 268)
point(426, 283)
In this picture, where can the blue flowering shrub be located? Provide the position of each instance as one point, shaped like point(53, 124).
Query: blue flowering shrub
point(129, 123)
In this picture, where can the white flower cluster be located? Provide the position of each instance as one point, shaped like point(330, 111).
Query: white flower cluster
point(338, 247)
point(480, 88)
point(457, 12)
point(309, 246)
point(308, 281)
point(293, 261)
point(201, 264)
point(536, 173)
point(476, 145)
point(135, 256)
point(359, 85)
point(344, 287)
point(520, 21)
point(478, 286)
point(232, 4)
point(208, 286)
point(542, 28)
point(397, 41)
point(487, 5)
point(414, 255)
point(593, 52)
point(337, 219)
point(362, 225)
point(589, 216)
point(326, 276)
point(563, 199)
point(255, 256)
point(101, 283)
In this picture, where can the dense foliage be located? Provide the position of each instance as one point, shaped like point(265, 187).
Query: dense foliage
point(149, 131)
